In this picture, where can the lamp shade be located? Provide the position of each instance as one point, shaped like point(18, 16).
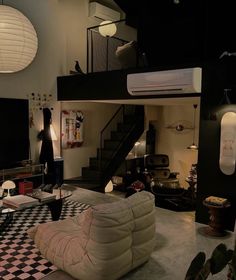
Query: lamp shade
point(107, 28)
point(193, 147)
point(53, 133)
point(8, 185)
point(18, 40)
point(109, 187)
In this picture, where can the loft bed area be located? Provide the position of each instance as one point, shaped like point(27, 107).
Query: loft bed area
point(110, 59)
point(152, 37)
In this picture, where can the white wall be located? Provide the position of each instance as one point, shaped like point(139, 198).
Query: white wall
point(172, 143)
point(96, 115)
point(61, 31)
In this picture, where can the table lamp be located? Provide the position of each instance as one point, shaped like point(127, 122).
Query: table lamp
point(8, 185)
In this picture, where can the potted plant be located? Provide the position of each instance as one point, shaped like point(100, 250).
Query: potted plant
point(200, 268)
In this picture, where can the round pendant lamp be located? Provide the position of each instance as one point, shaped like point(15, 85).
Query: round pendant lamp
point(107, 28)
point(18, 40)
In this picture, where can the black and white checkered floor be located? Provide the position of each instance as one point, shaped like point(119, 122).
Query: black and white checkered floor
point(19, 258)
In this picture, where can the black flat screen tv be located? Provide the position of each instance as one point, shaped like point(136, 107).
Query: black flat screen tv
point(14, 132)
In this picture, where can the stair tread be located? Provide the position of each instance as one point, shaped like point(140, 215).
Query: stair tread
point(120, 132)
point(111, 140)
point(95, 158)
point(87, 168)
point(108, 158)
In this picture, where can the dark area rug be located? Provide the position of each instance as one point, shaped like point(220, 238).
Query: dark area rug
point(19, 258)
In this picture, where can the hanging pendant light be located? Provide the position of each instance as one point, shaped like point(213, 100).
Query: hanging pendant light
point(225, 99)
point(107, 28)
point(18, 40)
point(193, 146)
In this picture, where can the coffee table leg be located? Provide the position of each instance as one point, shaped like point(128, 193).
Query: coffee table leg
point(55, 208)
point(6, 222)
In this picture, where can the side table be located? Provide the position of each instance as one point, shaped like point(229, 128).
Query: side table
point(216, 225)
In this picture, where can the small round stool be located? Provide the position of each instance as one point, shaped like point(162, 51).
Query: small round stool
point(216, 226)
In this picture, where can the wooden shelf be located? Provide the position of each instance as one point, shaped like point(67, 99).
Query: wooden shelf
point(22, 173)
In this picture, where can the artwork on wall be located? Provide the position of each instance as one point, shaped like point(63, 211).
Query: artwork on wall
point(71, 129)
point(38, 101)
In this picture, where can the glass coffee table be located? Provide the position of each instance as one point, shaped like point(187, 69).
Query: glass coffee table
point(54, 205)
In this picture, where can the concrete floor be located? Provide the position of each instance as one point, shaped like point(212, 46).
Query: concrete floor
point(178, 240)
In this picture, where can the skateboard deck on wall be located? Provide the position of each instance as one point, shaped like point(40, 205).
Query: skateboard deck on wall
point(228, 143)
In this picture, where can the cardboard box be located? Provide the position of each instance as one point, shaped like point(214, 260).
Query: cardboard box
point(25, 187)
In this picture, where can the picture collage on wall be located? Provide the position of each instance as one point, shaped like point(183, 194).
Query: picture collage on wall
point(71, 129)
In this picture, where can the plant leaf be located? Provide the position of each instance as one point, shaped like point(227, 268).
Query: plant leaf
point(233, 262)
point(195, 266)
point(205, 271)
point(220, 258)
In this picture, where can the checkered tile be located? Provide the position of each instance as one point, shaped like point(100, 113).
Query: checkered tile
point(19, 258)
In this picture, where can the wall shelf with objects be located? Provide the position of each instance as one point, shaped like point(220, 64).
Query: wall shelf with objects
point(34, 173)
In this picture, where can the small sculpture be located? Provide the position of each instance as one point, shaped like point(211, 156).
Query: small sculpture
point(77, 67)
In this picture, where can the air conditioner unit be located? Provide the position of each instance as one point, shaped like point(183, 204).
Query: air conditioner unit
point(102, 12)
point(178, 81)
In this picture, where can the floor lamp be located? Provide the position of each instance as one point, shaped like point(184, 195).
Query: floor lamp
point(107, 29)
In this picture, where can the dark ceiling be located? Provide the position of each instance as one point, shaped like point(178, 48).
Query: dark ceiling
point(160, 10)
point(182, 31)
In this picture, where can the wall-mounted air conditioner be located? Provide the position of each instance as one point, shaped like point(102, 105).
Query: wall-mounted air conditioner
point(102, 12)
point(179, 81)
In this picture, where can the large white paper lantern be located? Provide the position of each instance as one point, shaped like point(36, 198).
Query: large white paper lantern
point(18, 40)
point(107, 28)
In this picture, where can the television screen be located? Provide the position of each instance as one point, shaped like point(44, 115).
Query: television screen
point(14, 132)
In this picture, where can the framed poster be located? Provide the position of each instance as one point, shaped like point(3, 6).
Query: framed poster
point(71, 129)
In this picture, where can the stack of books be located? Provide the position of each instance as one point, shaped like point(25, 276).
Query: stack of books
point(19, 201)
point(42, 196)
point(217, 201)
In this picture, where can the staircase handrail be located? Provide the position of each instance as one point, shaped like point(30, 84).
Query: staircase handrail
point(124, 139)
point(136, 128)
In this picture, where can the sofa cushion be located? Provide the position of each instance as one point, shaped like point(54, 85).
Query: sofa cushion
point(103, 242)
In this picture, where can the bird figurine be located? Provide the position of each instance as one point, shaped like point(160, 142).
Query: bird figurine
point(77, 67)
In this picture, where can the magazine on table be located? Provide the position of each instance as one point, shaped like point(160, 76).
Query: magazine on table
point(19, 201)
point(42, 196)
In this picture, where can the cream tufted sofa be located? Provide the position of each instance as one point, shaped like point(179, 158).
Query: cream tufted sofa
point(104, 242)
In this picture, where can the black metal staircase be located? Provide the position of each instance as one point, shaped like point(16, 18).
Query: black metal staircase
point(116, 140)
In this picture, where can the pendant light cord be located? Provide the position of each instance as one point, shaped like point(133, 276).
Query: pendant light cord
point(194, 125)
